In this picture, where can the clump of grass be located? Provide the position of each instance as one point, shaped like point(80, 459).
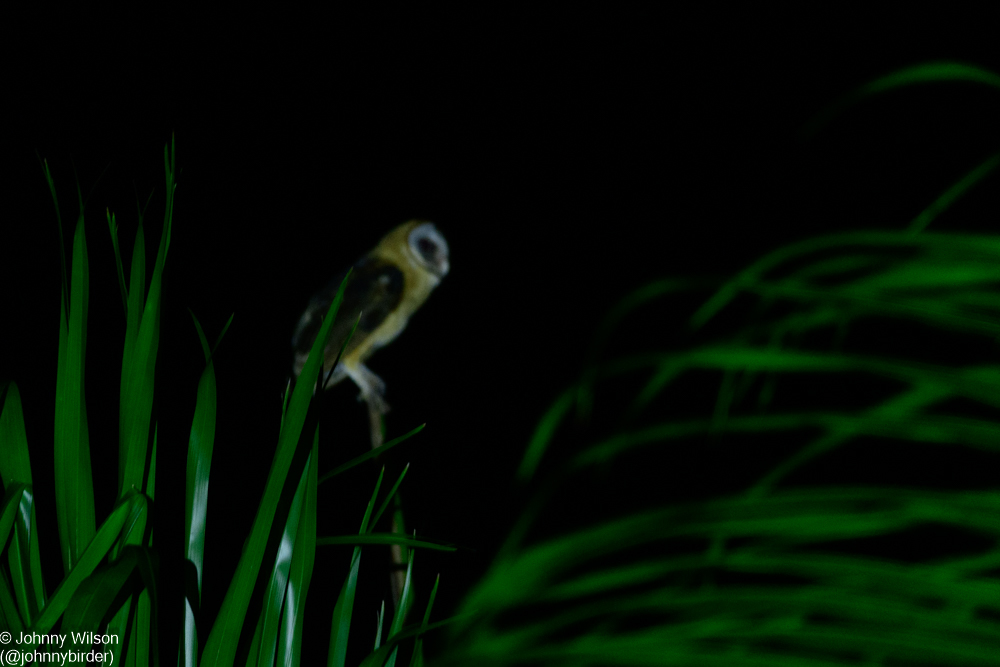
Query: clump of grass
point(109, 584)
point(799, 567)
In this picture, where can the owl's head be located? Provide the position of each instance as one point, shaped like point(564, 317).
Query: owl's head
point(428, 248)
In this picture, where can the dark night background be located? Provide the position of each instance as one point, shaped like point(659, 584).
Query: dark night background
point(567, 157)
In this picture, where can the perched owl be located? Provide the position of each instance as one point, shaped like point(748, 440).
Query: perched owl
point(386, 287)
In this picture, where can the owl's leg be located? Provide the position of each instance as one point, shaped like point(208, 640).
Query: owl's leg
point(372, 387)
point(330, 378)
point(376, 425)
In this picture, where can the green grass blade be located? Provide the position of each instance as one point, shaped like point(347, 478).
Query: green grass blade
point(99, 547)
point(145, 631)
point(201, 336)
point(220, 649)
point(977, 383)
point(378, 626)
point(123, 625)
point(136, 292)
point(150, 482)
point(417, 659)
point(300, 572)
point(631, 302)
point(931, 72)
point(379, 656)
point(133, 318)
point(388, 498)
point(95, 595)
point(106, 588)
point(899, 407)
point(664, 375)
point(370, 454)
point(15, 468)
point(139, 364)
point(383, 538)
point(113, 229)
point(73, 480)
point(133, 532)
point(876, 240)
point(405, 600)
point(343, 610)
point(11, 505)
point(9, 616)
point(612, 321)
point(275, 594)
point(63, 273)
point(14, 462)
point(543, 434)
point(199, 464)
point(946, 430)
point(132, 619)
point(254, 651)
point(340, 625)
point(222, 333)
point(25, 560)
point(953, 193)
point(17, 612)
point(170, 169)
point(366, 519)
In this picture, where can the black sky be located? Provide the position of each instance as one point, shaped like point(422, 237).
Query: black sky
point(567, 156)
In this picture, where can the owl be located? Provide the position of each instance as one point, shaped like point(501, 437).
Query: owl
point(385, 288)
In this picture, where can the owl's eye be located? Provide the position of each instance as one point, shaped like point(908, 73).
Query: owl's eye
point(427, 248)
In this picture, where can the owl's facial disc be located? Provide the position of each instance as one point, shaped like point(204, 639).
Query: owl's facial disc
point(430, 248)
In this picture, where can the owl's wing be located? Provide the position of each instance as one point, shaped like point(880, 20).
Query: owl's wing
point(374, 290)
